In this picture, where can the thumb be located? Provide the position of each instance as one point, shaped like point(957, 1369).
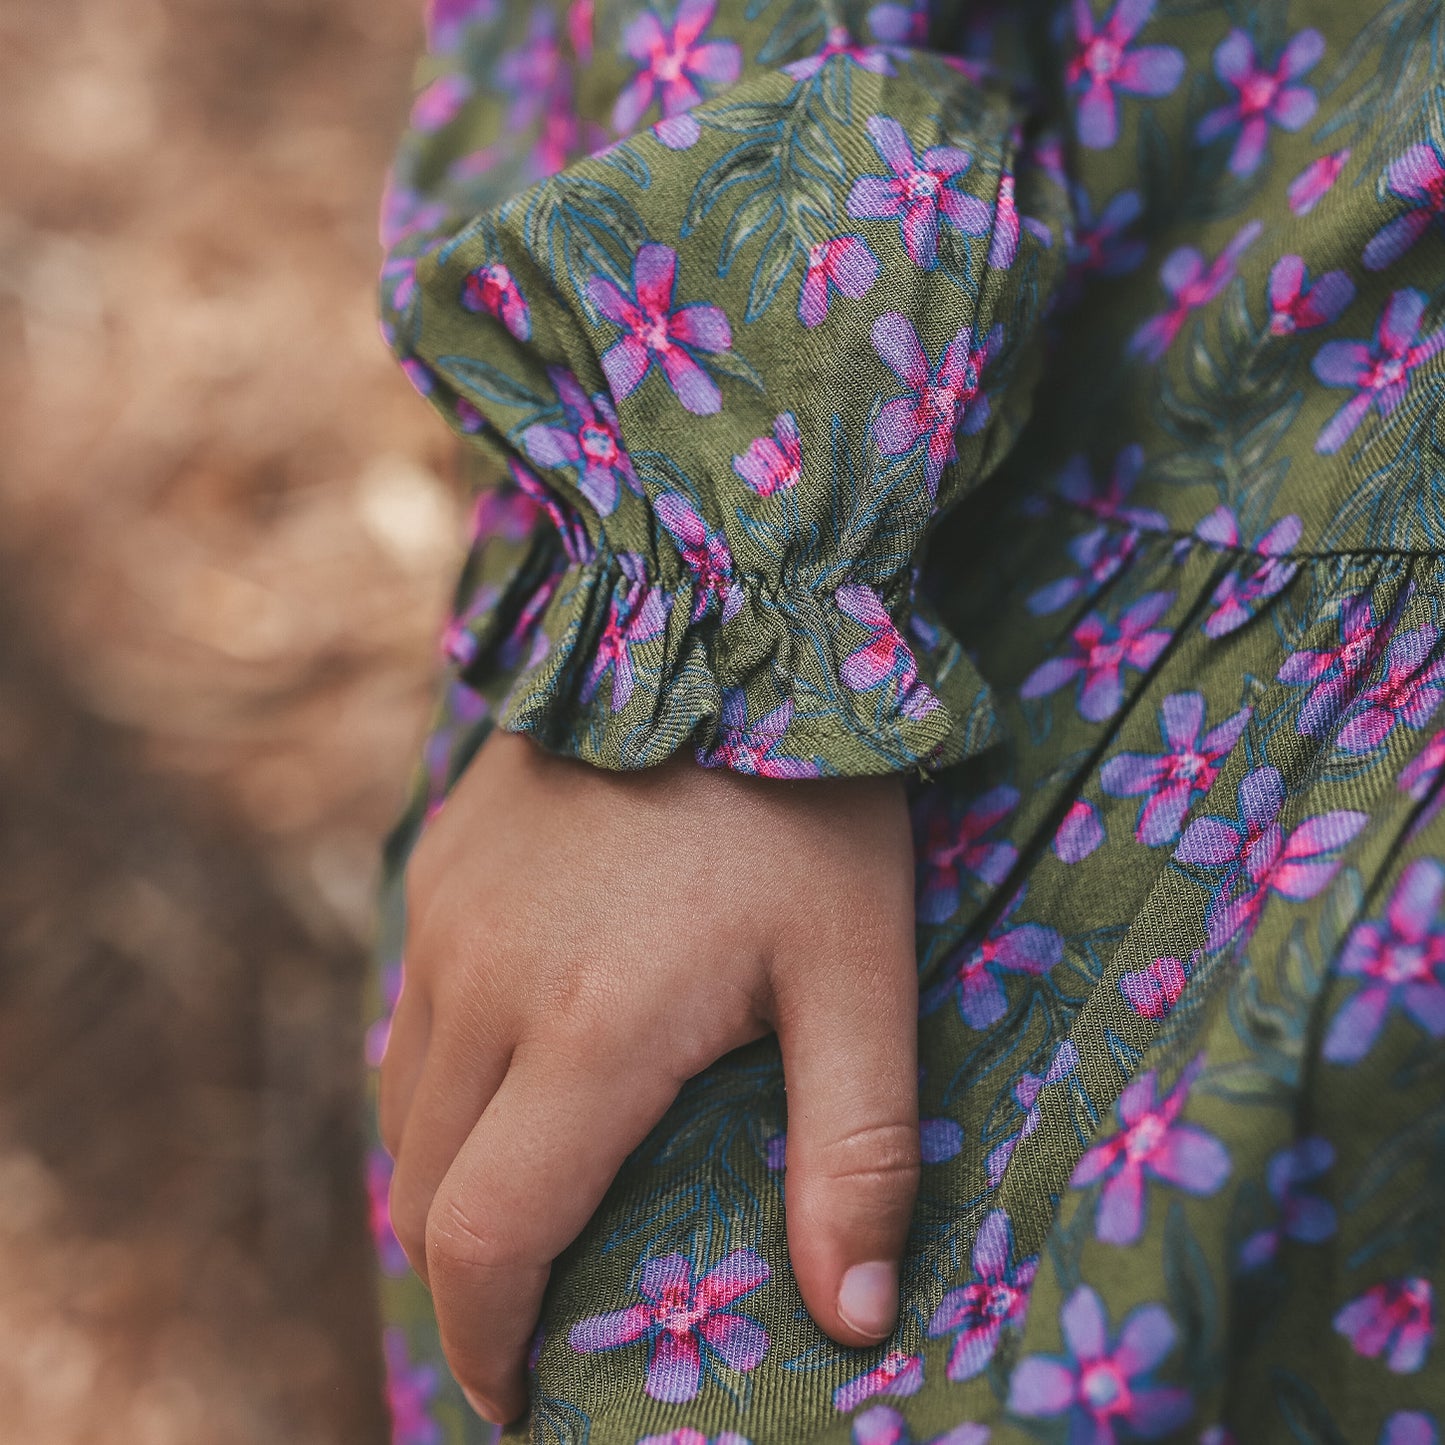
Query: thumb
point(850, 1063)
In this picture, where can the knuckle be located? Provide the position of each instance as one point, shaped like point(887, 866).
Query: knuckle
point(457, 1242)
point(884, 1157)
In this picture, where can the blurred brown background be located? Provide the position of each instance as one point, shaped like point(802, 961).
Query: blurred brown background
point(227, 532)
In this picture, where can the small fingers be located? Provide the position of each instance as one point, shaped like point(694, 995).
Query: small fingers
point(521, 1189)
point(853, 1149)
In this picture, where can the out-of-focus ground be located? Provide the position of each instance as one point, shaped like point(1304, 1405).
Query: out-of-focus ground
point(226, 540)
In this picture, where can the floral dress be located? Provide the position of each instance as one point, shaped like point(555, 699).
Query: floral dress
point(1041, 401)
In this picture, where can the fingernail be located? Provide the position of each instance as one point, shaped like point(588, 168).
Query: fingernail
point(868, 1298)
point(481, 1407)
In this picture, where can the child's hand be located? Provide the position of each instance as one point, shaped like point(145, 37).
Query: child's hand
point(580, 943)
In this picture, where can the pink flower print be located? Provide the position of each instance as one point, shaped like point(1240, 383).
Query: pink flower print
point(839, 42)
point(939, 402)
point(1109, 502)
point(974, 975)
point(440, 103)
point(883, 1425)
point(896, 1374)
point(1378, 372)
point(399, 274)
point(1240, 595)
point(1190, 284)
point(775, 463)
point(469, 418)
point(842, 264)
point(1417, 178)
point(1152, 991)
point(576, 544)
point(1104, 67)
point(410, 1390)
point(1100, 554)
point(1151, 1144)
point(1303, 1217)
point(1398, 961)
point(378, 1196)
point(886, 657)
point(1422, 772)
point(635, 615)
point(705, 553)
point(1409, 1427)
point(580, 18)
point(1098, 652)
point(492, 290)
point(757, 747)
point(655, 332)
point(676, 65)
point(953, 851)
point(1296, 305)
point(686, 1321)
point(1250, 856)
point(918, 192)
point(977, 1315)
point(1104, 1385)
point(1263, 97)
point(1008, 226)
point(1409, 691)
point(1332, 673)
point(1102, 245)
point(419, 374)
point(1169, 782)
point(1080, 834)
point(1395, 1319)
point(1026, 1093)
point(589, 441)
point(447, 19)
point(1307, 188)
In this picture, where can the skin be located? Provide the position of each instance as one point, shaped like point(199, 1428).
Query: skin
point(579, 944)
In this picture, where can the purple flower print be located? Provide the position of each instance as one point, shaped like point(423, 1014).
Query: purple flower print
point(838, 41)
point(1240, 594)
point(1080, 834)
point(1303, 1217)
point(1296, 305)
point(528, 75)
point(1104, 67)
point(896, 1374)
point(939, 1140)
point(977, 1315)
point(1408, 692)
point(1312, 183)
point(1378, 371)
point(975, 973)
point(1420, 774)
point(1103, 1385)
point(899, 24)
point(379, 1031)
point(637, 614)
point(576, 544)
point(378, 1197)
point(1170, 781)
point(953, 851)
point(688, 1436)
point(886, 657)
point(1399, 962)
point(440, 103)
point(685, 1320)
point(918, 192)
point(1190, 284)
point(409, 1393)
point(940, 401)
point(1252, 856)
point(1098, 652)
point(1331, 673)
point(1026, 1093)
point(447, 19)
point(1395, 1319)
point(1263, 97)
point(1008, 225)
point(657, 333)
point(675, 64)
point(1110, 501)
point(492, 290)
point(754, 748)
point(1409, 1427)
point(773, 464)
point(1152, 991)
point(1102, 246)
point(1100, 554)
point(1152, 1144)
point(842, 264)
point(1418, 178)
point(883, 1425)
point(705, 552)
point(590, 441)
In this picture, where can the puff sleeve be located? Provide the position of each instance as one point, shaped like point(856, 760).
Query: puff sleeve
point(739, 297)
